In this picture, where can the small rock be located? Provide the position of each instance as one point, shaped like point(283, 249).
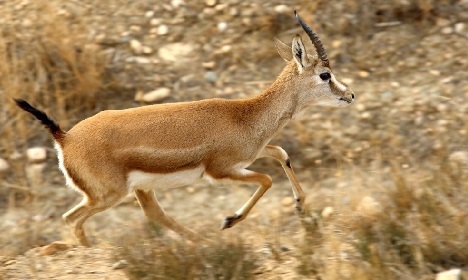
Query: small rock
point(120, 264)
point(360, 107)
point(4, 166)
point(208, 65)
point(147, 50)
point(210, 76)
point(138, 59)
point(135, 28)
point(459, 27)
point(136, 46)
point(447, 30)
point(36, 155)
point(459, 158)
point(452, 274)
point(27, 22)
point(210, 3)
point(153, 96)
point(363, 74)
point(222, 26)
point(175, 52)
point(369, 207)
point(149, 14)
point(327, 212)
point(233, 11)
point(287, 201)
point(177, 3)
point(282, 9)
point(162, 29)
point(155, 21)
point(53, 248)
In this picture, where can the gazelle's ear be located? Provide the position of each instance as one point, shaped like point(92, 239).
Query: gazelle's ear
point(299, 53)
point(283, 49)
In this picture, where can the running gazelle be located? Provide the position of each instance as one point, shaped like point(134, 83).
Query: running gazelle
point(115, 152)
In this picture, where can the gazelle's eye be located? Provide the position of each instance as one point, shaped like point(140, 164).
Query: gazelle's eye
point(325, 76)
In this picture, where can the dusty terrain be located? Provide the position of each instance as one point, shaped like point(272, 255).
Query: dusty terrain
point(403, 142)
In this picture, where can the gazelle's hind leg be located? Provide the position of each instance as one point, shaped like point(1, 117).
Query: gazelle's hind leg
point(153, 211)
point(85, 209)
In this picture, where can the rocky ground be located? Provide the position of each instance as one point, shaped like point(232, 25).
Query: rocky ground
point(407, 66)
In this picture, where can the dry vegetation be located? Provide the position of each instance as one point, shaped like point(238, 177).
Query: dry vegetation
point(393, 167)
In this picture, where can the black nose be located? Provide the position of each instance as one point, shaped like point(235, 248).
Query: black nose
point(352, 95)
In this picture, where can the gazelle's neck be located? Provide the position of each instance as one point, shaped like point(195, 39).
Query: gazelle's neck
point(277, 104)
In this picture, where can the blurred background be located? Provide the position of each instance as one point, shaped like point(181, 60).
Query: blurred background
point(386, 178)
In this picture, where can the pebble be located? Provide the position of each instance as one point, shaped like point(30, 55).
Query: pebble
point(327, 212)
point(287, 201)
point(155, 21)
point(162, 29)
point(138, 59)
point(210, 76)
point(177, 3)
point(149, 14)
point(282, 9)
point(136, 46)
point(175, 52)
point(147, 50)
point(369, 207)
point(447, 30)
point(53, 248)
point(208, 65)
point(222, 26)
point(4, 166)
point(210, 3)
point(452, 274)
point(459, 27)
point(363, 74)
point(36, 155)
point(459, 158)
point(120, 264)
point(153, 96)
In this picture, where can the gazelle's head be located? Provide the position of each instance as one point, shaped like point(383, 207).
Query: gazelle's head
point(312, 76)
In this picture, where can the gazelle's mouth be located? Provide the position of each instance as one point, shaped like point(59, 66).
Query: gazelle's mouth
point(347, 100)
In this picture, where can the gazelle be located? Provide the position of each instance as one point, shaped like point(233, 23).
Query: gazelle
point(115, 152)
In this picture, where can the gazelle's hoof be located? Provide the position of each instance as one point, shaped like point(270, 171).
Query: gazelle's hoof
point(230, 221)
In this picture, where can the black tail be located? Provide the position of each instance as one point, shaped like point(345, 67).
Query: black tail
point(53, 127)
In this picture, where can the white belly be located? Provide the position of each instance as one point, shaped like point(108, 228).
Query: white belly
point(148, 181)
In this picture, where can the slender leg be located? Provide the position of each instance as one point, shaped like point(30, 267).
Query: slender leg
point(247, 176)
point(85, 209)
point(279, 154)
point(153, 211)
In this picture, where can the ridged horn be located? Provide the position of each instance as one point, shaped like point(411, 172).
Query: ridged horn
point(315, 40)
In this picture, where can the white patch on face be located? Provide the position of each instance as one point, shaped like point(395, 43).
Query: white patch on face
point(68, 179)
point(339, 85)
point(149, 181)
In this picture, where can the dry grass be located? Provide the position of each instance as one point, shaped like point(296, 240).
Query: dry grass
point(417, 228)
point(49, 61)
point(153, 257)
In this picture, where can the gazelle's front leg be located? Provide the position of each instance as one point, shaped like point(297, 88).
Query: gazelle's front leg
point(247, 176)
point(279, 154)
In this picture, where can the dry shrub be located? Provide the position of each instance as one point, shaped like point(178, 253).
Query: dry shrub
point(153, 257)
point(421, 230)
point(49, 61)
